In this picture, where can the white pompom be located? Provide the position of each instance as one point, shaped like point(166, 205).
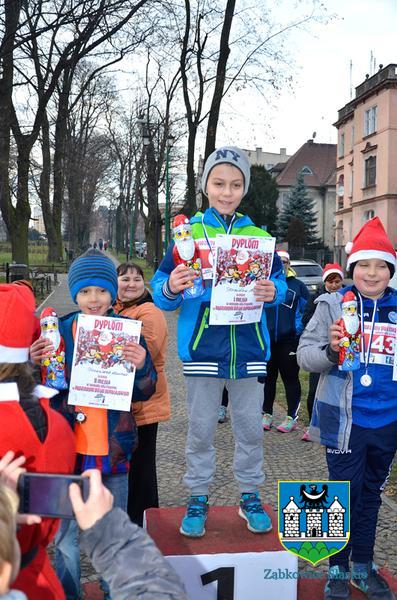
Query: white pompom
point(349, 247)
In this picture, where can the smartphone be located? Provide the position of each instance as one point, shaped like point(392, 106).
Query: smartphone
point(48, 495)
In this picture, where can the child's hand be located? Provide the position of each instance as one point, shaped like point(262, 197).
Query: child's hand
point(135, 354)
point(336, 334)
point(264, 290)
point(10, 470)
point(99, 501)
point(40, 349)
point(181, 278)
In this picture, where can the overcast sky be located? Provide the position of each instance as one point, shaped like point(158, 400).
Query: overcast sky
point(322, 77)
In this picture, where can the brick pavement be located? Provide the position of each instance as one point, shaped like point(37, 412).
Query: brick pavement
point(286, 456)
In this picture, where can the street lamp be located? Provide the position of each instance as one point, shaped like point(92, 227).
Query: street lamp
point(169, 141)
point(148, 141)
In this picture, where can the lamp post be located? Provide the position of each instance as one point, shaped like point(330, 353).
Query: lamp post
point(169, 141)
point(147, 141)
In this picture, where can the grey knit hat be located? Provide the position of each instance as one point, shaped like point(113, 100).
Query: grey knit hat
point(231, 155)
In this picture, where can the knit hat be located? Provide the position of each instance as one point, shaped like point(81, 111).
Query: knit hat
point(283, 254)
point(17, 306)
point(371, 242)
point(331, 268)
point(232, 156)
point(92, 268)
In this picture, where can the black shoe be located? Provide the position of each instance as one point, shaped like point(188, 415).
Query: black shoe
point(366, 578)
point(337, 586)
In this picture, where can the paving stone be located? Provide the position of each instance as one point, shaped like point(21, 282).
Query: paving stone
point(286, 456)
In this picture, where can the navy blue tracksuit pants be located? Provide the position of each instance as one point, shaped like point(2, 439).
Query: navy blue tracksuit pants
point(366, 464)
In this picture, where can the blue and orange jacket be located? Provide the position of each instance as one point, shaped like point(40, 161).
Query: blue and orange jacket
point(224, 351)
point(122, 429)
point(285, 320)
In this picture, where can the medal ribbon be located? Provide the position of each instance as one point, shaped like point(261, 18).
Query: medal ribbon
point(367, 356)
point(206, 234)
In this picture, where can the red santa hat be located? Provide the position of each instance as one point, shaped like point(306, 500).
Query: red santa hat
point(17, 306)
point(371, 242)
point(331, 268)
point(283, 254)
point(349, 298)
point(48, 311)
point(180, 223)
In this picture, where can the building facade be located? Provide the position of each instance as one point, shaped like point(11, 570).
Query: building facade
point(317, 162)
point(366, 179)
point(266, 159)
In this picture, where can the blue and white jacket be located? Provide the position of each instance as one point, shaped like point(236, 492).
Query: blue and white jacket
point(224, 351)
point(341, 400)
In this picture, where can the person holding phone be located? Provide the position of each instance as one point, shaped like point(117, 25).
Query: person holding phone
point(30, 427)
point(120, 550)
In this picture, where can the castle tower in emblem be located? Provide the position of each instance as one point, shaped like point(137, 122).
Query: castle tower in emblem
point(314, 518)
point(291, 519)
point(335, 519)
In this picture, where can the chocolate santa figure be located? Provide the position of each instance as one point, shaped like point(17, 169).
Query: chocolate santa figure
point(349, 344)
point(53, 367)
point(185, 252)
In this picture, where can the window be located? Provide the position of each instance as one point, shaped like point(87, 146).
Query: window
point(370, 171)
point(352, 138)
point(370, 120)
point(368, 214)
point(306, 170)
point(351, 183)
point(341, 150)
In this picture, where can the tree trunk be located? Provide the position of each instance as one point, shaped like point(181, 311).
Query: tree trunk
point(213, 117)
point(21, 216)
point(190, 205)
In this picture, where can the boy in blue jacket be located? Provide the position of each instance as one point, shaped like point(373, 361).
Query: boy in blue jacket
point(355, 413)
point(109, 436)
point(218, 356)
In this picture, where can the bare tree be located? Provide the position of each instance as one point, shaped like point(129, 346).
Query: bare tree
point(41, 42)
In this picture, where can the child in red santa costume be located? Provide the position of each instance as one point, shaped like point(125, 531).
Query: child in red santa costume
point(355, 412)
point(30, 428)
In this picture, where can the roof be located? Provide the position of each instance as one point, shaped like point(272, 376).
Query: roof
point(320, 160)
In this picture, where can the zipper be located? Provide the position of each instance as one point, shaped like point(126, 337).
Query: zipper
point(258, 333)
point(201, 328)
point(233, 352)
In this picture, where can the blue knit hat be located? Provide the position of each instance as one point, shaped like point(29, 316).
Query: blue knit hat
point(232, 156)
point(92, 268)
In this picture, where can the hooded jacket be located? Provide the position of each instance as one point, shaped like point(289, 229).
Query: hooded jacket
point(340, 398)
point(224, 351)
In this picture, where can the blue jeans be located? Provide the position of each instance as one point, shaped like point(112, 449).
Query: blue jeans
point(67, 551)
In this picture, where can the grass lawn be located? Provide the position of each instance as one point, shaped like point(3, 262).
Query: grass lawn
point(37, 254)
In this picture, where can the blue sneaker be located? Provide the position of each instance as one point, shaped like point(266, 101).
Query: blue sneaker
point(252, 511)
point(196, 515)
point(337, 586)
point(366, 578)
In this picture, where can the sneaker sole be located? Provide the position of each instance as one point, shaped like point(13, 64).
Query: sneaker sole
point(282, 430)
point(241, 514)
point(192, 535)
point(354, 584)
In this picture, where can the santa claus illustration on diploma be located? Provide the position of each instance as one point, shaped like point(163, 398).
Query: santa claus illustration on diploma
point(185, 252)
point(53, 367)
point(349, 344)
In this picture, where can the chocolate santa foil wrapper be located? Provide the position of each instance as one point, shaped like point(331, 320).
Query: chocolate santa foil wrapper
point(53, 367)
point(349, 344)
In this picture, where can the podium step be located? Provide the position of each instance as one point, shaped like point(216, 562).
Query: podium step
point(226, 531)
